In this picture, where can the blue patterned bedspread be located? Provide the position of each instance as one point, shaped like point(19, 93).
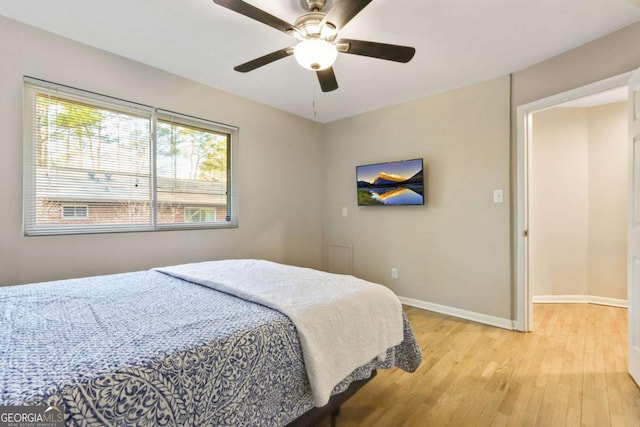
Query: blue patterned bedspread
point(145, 348)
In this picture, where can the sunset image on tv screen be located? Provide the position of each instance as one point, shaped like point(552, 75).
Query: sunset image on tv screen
point(393, 183)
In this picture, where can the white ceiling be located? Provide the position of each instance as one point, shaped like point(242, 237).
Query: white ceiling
point(458, 42)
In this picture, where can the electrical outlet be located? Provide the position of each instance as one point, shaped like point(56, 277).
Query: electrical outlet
point(394, 273)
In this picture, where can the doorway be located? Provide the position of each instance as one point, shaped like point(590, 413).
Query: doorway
point(526, 178)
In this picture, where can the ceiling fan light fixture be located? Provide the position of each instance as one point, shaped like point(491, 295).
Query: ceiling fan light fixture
point(315, 54)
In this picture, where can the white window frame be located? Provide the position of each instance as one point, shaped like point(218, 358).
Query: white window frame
point(62, 91)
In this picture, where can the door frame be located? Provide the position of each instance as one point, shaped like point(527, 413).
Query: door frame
point(524, 114)
point(632, 233)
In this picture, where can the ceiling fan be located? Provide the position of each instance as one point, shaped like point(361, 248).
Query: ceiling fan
point(316, 32)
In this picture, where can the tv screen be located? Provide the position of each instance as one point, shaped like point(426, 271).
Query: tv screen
point(393, 183)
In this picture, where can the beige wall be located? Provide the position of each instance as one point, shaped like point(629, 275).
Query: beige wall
point(609, 56)
point(578, 202)
point(455, 250)
point(559, 203)
point(608, 183)
point(279, 212)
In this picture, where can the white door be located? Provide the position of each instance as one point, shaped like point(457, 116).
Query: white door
point(633, 264)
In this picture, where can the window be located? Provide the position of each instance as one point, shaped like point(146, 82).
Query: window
point(133, 167)
point(75, 212)
point(199, 215)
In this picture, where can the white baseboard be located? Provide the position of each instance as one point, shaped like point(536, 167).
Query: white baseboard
point(458, 312)
point(579, 299)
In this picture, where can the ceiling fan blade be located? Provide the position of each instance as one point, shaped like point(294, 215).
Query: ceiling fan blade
point(343, 11)
point(327, 80)
point(390, 52)
point(264, 60)
point(259, 15)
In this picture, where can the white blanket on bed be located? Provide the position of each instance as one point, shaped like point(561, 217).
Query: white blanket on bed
point(343, 322)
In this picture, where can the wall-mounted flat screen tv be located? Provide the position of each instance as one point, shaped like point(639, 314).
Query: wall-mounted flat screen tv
point(392, 183)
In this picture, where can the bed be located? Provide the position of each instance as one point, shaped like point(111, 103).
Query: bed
point(184, 345)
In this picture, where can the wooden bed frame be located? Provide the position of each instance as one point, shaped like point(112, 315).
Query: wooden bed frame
point(315, 415)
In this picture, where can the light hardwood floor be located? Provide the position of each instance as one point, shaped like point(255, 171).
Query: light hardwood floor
point(572, 370)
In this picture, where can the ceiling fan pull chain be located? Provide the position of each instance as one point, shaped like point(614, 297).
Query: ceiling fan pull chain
point(313, 103)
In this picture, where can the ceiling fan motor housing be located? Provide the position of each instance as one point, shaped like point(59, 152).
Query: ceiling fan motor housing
point(310, 24)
